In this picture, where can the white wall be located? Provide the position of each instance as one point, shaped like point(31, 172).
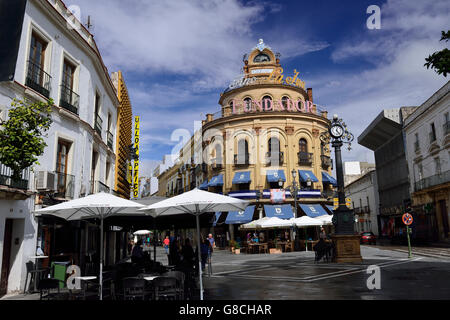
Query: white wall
point(90, 77)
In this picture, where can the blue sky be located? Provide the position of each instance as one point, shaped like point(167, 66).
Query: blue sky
point(177, 56)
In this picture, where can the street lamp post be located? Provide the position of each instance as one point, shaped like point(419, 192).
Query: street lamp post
point(346, 241)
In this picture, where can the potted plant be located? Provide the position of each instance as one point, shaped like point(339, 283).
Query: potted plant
point(232, 245)
point(237, 248)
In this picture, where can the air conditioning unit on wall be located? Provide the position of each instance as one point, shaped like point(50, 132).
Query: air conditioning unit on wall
point(45, 181)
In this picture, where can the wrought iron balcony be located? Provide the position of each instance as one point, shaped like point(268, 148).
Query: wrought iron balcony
point(110, 139)
point(6, 178)
point(274, 158)
point(242, 159)
point(98, 125)
point(366, 209)
point(98, 186)
point(69, 100)
point(432, 181)
point(65, 185)
point(326, 162)
point(304, 158)
point(38, 79)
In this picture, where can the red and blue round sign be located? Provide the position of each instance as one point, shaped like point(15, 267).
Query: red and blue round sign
point(407, 219)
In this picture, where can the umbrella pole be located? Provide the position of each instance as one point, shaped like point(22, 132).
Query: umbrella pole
point(197, 218)
point(154, 241)
point(101, 258)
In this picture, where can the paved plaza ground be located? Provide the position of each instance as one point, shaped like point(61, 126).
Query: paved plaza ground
point(295, 276)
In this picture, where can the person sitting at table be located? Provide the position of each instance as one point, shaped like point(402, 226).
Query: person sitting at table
point(255, 239)
point(137, 254)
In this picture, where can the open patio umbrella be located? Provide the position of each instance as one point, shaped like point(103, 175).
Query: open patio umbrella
point(325, 219)
point(99, 205)
point(141, 232)
point(252, 225)
point(196, 202)
point(275, 222)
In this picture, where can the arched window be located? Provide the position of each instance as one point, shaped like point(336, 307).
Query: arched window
point(274, 145)
point(247, 104)
point(303, 145)
point(218, 150)
point(242, 155)
point(284, 101)
point(267, 101)
point(261, 58)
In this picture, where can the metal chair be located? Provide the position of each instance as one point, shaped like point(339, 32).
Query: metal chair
point(45, 288)
point(180, 282)
point(133, 289)
point(33, 275)
point(165, 288)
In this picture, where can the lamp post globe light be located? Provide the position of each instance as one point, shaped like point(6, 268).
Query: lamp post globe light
point(347, 243)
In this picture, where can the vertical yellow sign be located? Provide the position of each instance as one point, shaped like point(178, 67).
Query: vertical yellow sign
point(136, 161)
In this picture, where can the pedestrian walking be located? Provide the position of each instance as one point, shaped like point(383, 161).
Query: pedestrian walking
point(166, 244)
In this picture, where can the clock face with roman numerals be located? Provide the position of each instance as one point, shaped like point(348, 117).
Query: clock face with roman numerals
point(336, 131)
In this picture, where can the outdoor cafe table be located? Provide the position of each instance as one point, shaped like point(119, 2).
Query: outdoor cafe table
point(284, 245)
point(84, 280)
point(253, 246)
point(36, 267)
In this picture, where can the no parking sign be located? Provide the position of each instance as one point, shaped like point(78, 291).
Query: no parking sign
point(407, 219)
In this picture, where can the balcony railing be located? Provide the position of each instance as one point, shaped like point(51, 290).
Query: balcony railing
point(446, 127)
point(274, 158)
point(98, 125)
point(357, 210)
point(6, 178)
point(304, 158)
point(432, 181)
point(366, 209)
point(69, 99)
point(65, 185)
point(110, 139)
point(242, 159)
point(97, 186)
point(326, 162)
point(38, 79)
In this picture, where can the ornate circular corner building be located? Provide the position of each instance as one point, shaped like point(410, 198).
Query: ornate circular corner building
point(265, 136)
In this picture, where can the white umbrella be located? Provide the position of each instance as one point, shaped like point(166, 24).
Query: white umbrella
point(306, 221)
point(326, 219)
point(141, 232)
point(275, 222)
point(99, 205)
point(196, 202)
point(255, 224)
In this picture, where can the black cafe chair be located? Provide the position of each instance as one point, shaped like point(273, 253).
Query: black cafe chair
point(133, 289)
point(165, 288)
point(49, 289)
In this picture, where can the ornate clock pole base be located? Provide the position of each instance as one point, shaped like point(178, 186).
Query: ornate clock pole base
point(347, 248)
point(346, 242)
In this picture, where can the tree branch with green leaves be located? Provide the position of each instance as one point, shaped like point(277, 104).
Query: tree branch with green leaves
point(440, 60)
point(22, 135)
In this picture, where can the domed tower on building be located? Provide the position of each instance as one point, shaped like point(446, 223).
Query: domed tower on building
point(265, 135)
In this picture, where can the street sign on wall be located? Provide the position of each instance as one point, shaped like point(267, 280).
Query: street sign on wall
point(136, 161)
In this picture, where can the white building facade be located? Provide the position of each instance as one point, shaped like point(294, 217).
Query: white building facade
point(57, 59)
point(427, 133)
point(363, 193)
